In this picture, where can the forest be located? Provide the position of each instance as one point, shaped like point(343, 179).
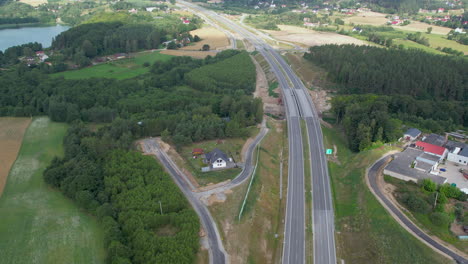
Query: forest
point(99, 169)
point(166, 99)
point(379, 90)
point(124, 190)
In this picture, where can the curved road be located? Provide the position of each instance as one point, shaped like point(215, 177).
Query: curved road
point(372, 175)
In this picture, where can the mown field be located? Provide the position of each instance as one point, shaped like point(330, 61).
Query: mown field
point(12, 130)
point(38, 224)
point(366, 233)
point(120, 69)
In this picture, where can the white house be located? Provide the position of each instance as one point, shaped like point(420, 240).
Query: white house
point(459, 155)
point(216, 159)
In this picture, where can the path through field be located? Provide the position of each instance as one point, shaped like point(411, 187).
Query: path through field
point(38, 224)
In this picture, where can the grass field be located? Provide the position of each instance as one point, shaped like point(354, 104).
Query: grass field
point(191, 53)
point(366, 233)
point(120, 69)
point(38, 224)
point(231, 146)
point(257, 237)
point(209, 35)
point(11, 135)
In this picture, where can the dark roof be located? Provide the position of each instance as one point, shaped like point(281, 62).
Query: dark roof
point(414, 132)
point(451, 145)
point(464, 152)
point(215, 154)
point(435, 139)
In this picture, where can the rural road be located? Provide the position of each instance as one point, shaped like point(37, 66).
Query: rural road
point(299, 107)
point(216, 249)
point(217, 252)
point(372, 174)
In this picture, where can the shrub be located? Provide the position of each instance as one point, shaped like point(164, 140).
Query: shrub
point(429, 185)
point(416, 203)
point(440, 219)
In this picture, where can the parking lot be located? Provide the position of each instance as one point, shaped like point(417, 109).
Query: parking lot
point(453, 174)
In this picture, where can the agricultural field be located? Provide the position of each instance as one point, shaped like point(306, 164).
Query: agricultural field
point(366, 231)
point(191, 53)
point(257, 236)
point(367, 18)
point(39, 224)
point(209, 35)
point(119, 69)
point(34, 2)
point(12, 130)
point(307, 37)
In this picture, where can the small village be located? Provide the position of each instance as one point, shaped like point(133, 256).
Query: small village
point(443, 159)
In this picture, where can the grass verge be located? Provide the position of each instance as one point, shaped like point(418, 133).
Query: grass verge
point(38, 224)
point(308, 196)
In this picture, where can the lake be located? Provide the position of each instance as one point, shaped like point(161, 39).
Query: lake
point(18, 36)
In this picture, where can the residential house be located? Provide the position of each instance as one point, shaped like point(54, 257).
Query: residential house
point(412, 133)
point(217, 159)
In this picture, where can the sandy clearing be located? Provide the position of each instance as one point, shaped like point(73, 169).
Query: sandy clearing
point(211, 36)
point(367, 18)
point(34, 2)
point(270, 104)
point(12, 130)
point(191, 53)
point(312, 38)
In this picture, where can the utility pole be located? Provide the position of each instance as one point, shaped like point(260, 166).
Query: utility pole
point(160, 207)
point(435, 201)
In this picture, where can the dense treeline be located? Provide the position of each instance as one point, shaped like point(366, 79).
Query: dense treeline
point(18, 20)
point(125, 189)
point(365, 69)
point(163, 100)
point(11, 55)
point(391, 87)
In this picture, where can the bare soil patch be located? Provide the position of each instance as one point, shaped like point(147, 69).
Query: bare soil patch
point(309, 37)
point(271, 105)
point(190, 53)
point(211, 36)
point(12, 130)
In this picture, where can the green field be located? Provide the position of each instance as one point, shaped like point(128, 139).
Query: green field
point(120, 69)
point(38, 224)
point(366, 233)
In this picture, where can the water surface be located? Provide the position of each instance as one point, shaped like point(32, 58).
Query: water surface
point(18, 36)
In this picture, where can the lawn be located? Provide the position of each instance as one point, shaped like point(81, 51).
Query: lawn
point(231, 146)
point(12, 130)
point(38, 224)
point(413, 45)
point(366, 233)
point(120, 69)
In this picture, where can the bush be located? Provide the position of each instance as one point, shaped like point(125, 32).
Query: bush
point(416, 203)
point(429, 185)
point(440, 219)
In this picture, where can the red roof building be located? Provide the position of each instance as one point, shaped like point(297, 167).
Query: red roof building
point(197, 151)
point(432, 149)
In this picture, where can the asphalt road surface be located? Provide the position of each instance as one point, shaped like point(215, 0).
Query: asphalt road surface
point(373, 174)
point(298, 104)
point(217, 252)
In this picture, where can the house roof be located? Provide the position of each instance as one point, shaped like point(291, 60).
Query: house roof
point(464, 151)
point(413, 132)
point(430, 148)
point(428, 158)
point(216, 154)
point(451, 145)
point(435, 139)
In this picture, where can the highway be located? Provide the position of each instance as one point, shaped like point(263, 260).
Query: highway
point(372, 175)
point(298, 105)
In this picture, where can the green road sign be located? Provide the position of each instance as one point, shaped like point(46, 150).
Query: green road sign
point(329, 151)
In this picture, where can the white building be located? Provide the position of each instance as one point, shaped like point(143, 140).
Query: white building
point(459, 155)
point(412, 133)
point(217, 159)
